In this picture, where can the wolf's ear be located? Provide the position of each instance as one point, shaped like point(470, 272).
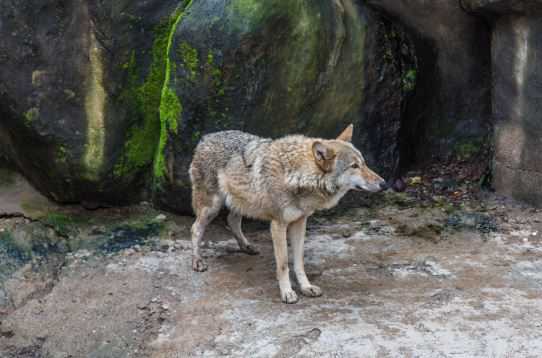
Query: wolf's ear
point(346, 135)
point(324, 156)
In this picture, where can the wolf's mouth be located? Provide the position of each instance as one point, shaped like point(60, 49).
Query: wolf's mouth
point(358, 188)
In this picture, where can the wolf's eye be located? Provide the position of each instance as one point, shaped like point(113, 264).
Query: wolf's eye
point(355, 166)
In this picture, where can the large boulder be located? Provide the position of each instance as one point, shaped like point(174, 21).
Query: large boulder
point(272, 68)
point(103, 100)
point(77, 119)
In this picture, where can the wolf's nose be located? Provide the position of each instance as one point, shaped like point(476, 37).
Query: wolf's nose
point(383, 185)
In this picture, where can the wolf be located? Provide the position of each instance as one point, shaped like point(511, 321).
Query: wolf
point(283, 181)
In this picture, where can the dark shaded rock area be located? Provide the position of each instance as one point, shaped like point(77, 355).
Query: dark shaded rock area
point(450, 108)
point(285, 67)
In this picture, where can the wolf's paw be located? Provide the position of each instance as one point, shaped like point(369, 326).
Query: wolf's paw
point(289, 296)
point(311, 291)
point(198, 264)
point(250, 250)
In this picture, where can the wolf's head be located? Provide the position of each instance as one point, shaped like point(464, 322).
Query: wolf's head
point(344, 163)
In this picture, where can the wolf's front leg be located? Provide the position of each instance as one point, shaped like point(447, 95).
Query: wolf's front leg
point(278, 234)
point(296, 233)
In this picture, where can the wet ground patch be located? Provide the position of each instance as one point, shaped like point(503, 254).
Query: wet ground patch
point(128, 235)
point(481, 222)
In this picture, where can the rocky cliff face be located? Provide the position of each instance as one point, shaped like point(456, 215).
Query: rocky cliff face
point(103, 102)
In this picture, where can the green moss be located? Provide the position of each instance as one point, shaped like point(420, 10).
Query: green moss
point(170, 106)
point(61, 222)
point(409, 80)
point(215, 74)
point(196, 136)
point(61, 154)
point(467, 149)
point(142, 101)
point(31, 115)
point(189, 57)
point(145, 101)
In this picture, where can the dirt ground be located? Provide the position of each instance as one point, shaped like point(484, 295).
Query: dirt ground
point(432, 272)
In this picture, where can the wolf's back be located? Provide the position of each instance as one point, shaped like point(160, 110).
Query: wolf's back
point(213, 153)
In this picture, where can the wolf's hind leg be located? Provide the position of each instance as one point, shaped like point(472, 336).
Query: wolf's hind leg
point(204, 217)
point(234, 222)
point(296, 234)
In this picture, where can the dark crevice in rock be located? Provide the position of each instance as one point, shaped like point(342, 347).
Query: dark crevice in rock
point(414, 120)
point(391, 129)
point(450, 107)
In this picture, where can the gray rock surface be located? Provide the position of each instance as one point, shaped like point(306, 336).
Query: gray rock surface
point(516, 92)
point(517, 49)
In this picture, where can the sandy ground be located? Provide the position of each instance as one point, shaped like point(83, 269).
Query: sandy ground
point(400, 279)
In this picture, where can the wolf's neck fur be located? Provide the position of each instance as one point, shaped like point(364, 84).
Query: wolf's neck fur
point(325, 185)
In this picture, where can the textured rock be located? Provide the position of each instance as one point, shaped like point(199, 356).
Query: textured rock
point(517, 50)
point(450, 107)
point(516, 91)
point(274, 68)
point(66, 111)
point(113, 96)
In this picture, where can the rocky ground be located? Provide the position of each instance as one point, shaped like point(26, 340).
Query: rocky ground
point(441, 270)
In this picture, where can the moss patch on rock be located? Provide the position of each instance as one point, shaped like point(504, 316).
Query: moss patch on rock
point(467, 149)
point(31, 115)
point(152, 102)
point(190, 60)
point(170, 106)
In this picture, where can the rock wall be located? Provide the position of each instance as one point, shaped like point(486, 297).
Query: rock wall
point(274, 68)
point(70, 123)
point(450, 108)
point(516, 93)
point(103, 102)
